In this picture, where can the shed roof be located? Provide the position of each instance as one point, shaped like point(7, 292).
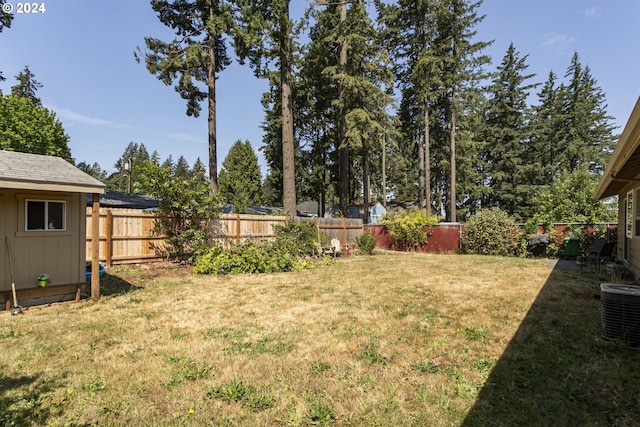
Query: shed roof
point(624, 165)
point(114, 199)
point(46, 173)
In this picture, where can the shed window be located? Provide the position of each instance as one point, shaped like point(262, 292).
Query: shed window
point(45, 215)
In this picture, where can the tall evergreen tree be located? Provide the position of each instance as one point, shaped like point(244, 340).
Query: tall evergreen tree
point(588, 132)
point(5, 22)
point(462, 68)
point(240, 178)
point(345, 49)
point(193, 59)
point(128, 176)
point(547, 122)
point(410, 32)
point(94, 170)
point(264, 35)
point(27, 86)
point(506, 136)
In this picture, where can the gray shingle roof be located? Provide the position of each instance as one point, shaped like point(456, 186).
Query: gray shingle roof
point(34, 171)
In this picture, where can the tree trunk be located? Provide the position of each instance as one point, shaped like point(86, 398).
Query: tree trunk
point(384, 171)
point(211, 83)
point(288, 162)
point(343, 149)
point(452, 137)
point(367, 179)
point(420, 169)
point(427, 161)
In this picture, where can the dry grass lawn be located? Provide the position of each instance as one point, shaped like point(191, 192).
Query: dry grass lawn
point(391, 339)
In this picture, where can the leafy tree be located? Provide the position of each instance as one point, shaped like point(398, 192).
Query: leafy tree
point(30, 128)
point(570, 199)
point(264, 35)
point(27, 86)
point(186, 205)
point(240, 180)
point(193, 59)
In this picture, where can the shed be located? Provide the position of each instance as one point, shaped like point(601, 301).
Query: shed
point(377, 212)
point(622, 178)
point(42, 222)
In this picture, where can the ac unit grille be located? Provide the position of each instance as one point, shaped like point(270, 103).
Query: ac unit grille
point(620, 312)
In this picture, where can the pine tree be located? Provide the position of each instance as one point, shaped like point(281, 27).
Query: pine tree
point(317, 126)
point(94, 170)
point(410, 32)
point(240, 177)
point(128, 176)
point(588, 132)
point(193, 59)
point(265, 34)
point(505, 134)
point(5, 22)
point(353, 94)
point(462, 64)
point(27, 86)
point(546, 126)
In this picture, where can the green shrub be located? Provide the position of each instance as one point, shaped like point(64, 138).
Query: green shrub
point(407, 227)
point(366, 243)
point(490, 232)
point(290, 251)
point(298, 238)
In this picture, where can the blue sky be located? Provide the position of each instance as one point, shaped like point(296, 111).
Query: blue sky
point(82, 52)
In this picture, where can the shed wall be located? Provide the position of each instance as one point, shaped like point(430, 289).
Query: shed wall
point(60, 254)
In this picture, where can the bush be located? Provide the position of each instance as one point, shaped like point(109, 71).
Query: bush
point(407, 227)
point(265, 257)
point(366, 243)
point(292, 246)
point(299, 238)
point(490, 232)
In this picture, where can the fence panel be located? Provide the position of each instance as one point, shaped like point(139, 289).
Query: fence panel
point(125, 237)
point(126, 234)
point(344, 229)
point(235, 228)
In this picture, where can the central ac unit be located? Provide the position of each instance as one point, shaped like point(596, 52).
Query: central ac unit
point(620, 312)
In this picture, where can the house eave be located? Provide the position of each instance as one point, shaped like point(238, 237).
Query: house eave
point(50, 186)
point(624, 166)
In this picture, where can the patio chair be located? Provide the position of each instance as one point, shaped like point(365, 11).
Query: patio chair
point(336, 248)
point(600, 252)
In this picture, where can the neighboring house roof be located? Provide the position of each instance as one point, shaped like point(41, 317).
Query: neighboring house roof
point(113, 199)
point(47, 173)
point(624, 165)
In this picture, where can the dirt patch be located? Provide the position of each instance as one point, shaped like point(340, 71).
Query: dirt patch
point(121, 279)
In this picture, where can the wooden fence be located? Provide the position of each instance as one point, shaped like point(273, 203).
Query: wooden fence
point(126, 234)
point(126, 237)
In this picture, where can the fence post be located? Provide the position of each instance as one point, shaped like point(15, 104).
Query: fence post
point(344, 232)
point(238, 228)
point(109, 243)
